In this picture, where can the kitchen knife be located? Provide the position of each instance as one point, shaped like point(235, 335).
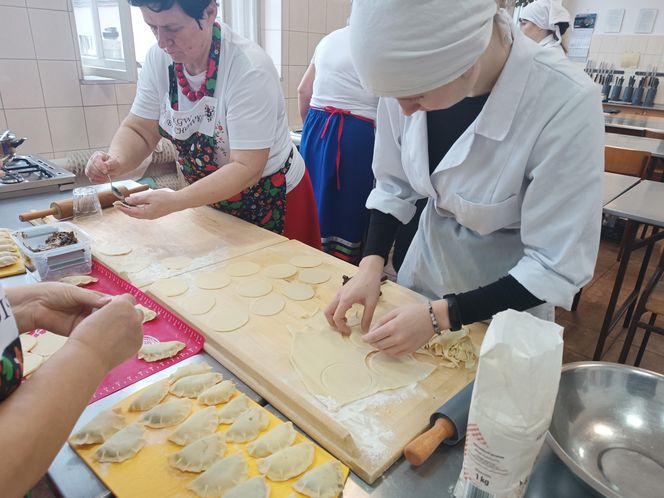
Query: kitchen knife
point(448, 425)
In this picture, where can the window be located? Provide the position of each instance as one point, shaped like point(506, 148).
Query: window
point(105, 39)
point(242, 16)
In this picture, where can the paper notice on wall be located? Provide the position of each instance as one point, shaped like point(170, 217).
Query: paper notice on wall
point(581, 36)
point(645, 21)
point(614, 20)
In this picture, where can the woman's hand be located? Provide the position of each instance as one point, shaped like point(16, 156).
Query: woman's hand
point(407, 328)
point(363, 288)
point(53, 306)
point(113, 333)
point(151, 204)
point(100, 166)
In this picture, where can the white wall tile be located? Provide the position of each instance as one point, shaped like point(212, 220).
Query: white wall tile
point(101, 94)
point(30, 123)
point(295, 74)
point(60, 83)
point(285, 47)
point(20, 85)
point(123, 112)
point(299, 15)
point(12, 3)
point(610, 44)
point(655, 45)
point(317, 11)
point(298, 49)
point(52, 34)
point(15, 39)
point(125, 93)
point(272, 12)
point(48, 4)
point(3, 120)
point(68, 130)
point(313, 39)
point(102, 123)
point(335, 15)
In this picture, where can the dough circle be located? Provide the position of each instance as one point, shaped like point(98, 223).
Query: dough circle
point(297, 291)
point(198, 303)
point(114, 249)
point(27, 342)
point(135, 265)
point(48, 343)
point(31, 362)
point(211, 281)
point(268, 305)
point(170, 287)
point(283, 270)
point(306, 261)
point(345, 379)
point(227, 319)
point(314, 276)
point(254, 288)
point(176, 262)
point(242, 269)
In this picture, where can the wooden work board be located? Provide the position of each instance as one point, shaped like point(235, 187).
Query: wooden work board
point(204, 234)
point(367, 435)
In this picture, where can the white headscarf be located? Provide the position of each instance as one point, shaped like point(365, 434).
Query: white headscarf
point(407, 47)
point(546, 14)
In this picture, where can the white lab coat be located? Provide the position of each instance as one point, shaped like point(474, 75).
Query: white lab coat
point(552, 42)
point(519, 192)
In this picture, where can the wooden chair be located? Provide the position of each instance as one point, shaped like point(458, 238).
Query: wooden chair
point(651, 301)
point(627, 161)
point(625, 131)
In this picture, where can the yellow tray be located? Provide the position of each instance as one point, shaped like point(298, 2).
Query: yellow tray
point(18, 267)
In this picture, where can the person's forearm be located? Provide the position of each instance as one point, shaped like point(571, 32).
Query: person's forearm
point(37, 418)
point(130, 147)
point(303, 101)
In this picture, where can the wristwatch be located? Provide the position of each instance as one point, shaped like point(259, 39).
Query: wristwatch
point(453, 314)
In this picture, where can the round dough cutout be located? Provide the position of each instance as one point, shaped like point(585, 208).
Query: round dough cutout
point(242, 269)
point(306, 261)
point(314, 276)
point(31, 362)
point(297, 291)
point(211, 281)
point(114, 249)
point(198, 303)
point(176, 262)
point(170, 287)
point(254, 288)
point(27, 342)
point(268, 305)
point(283, 270)
point(345, 380)
point(227, 319)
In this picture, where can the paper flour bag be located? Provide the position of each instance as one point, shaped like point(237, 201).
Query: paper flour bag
point(512, 404)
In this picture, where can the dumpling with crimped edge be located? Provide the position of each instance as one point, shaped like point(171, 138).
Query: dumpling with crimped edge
point(199, 455)
point(287, 463)
point(229, 413)
point(101, 427)
point(167, 414)
point(324, 481)
point(193, 385)
point(201, 423)
point(282, 436)
point(187, 370)
point(149, 397)
point(253, 488)
point(219, 393)
point(248, 426)
point(160, 350)
point(220, 477)
point(121, 446)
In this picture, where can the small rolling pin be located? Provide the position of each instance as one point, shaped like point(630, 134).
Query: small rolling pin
point(448, 424)
point(65, 209)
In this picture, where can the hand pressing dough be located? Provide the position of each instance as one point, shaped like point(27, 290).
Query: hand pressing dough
point(222, 476)
point(254, 288)
point(306, 261)
point(27, 342)
point(170, 287)
point(297, 291)
point(268, 305)
point(282, 436)
point(229, 413)
point(160, 350)
point(287, 463)
point(148, 314)
point(202, 423)
point(97, 430)
point(114, 249)
point(31, 362)
point(121, 446)
point(134, 265)
point(324, 481)
point(227, 319)
point(314, 276)
point(198, 303)
point(253, 488)
point(79, 280)
point(283, 270)
point(216, 394)
point(211, 281)
point(242, 269)
point(199, 455)
point(176, 262)
point(247, 426)
point(167, 414)
point(149, 397)
point(48, 343)
point(192, 386)
point(187, 370)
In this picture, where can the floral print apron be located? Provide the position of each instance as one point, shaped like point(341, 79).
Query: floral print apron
point(195, 135)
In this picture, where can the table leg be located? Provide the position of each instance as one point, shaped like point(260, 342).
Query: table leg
point(641, 277)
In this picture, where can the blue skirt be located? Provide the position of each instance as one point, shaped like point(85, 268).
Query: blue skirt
point(338, 150)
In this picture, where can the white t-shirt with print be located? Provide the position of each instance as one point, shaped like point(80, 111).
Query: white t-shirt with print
point(337, 83)
point(251, 111)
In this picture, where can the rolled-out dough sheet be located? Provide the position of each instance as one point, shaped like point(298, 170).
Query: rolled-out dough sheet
point(48, 343)
point(304, 261)
point(268, 305)
point(254, 287)
point(170, 287)
point(227, 319)
point(314, 276)
point(31, 362)
point(198, 303)
point(297, 291)
point(282, 270)
point(27, 342)
point(134, 265)
point(211, 281)
point(114, 249)
point(176, 262)
point(242, 269)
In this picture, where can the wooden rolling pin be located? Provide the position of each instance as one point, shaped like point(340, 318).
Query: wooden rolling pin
point(65, 209)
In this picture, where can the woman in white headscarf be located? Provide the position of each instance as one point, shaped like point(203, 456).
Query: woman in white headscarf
point(513, 210)
point(545, 21)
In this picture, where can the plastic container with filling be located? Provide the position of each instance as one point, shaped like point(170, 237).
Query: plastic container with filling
point(58, 262)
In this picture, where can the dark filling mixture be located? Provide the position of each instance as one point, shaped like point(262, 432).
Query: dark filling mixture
point(57, 239)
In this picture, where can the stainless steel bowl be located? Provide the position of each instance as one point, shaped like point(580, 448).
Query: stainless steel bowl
point(608, 428)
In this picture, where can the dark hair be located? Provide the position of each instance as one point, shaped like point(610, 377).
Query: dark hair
point(562, 26)
point(193, 8)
